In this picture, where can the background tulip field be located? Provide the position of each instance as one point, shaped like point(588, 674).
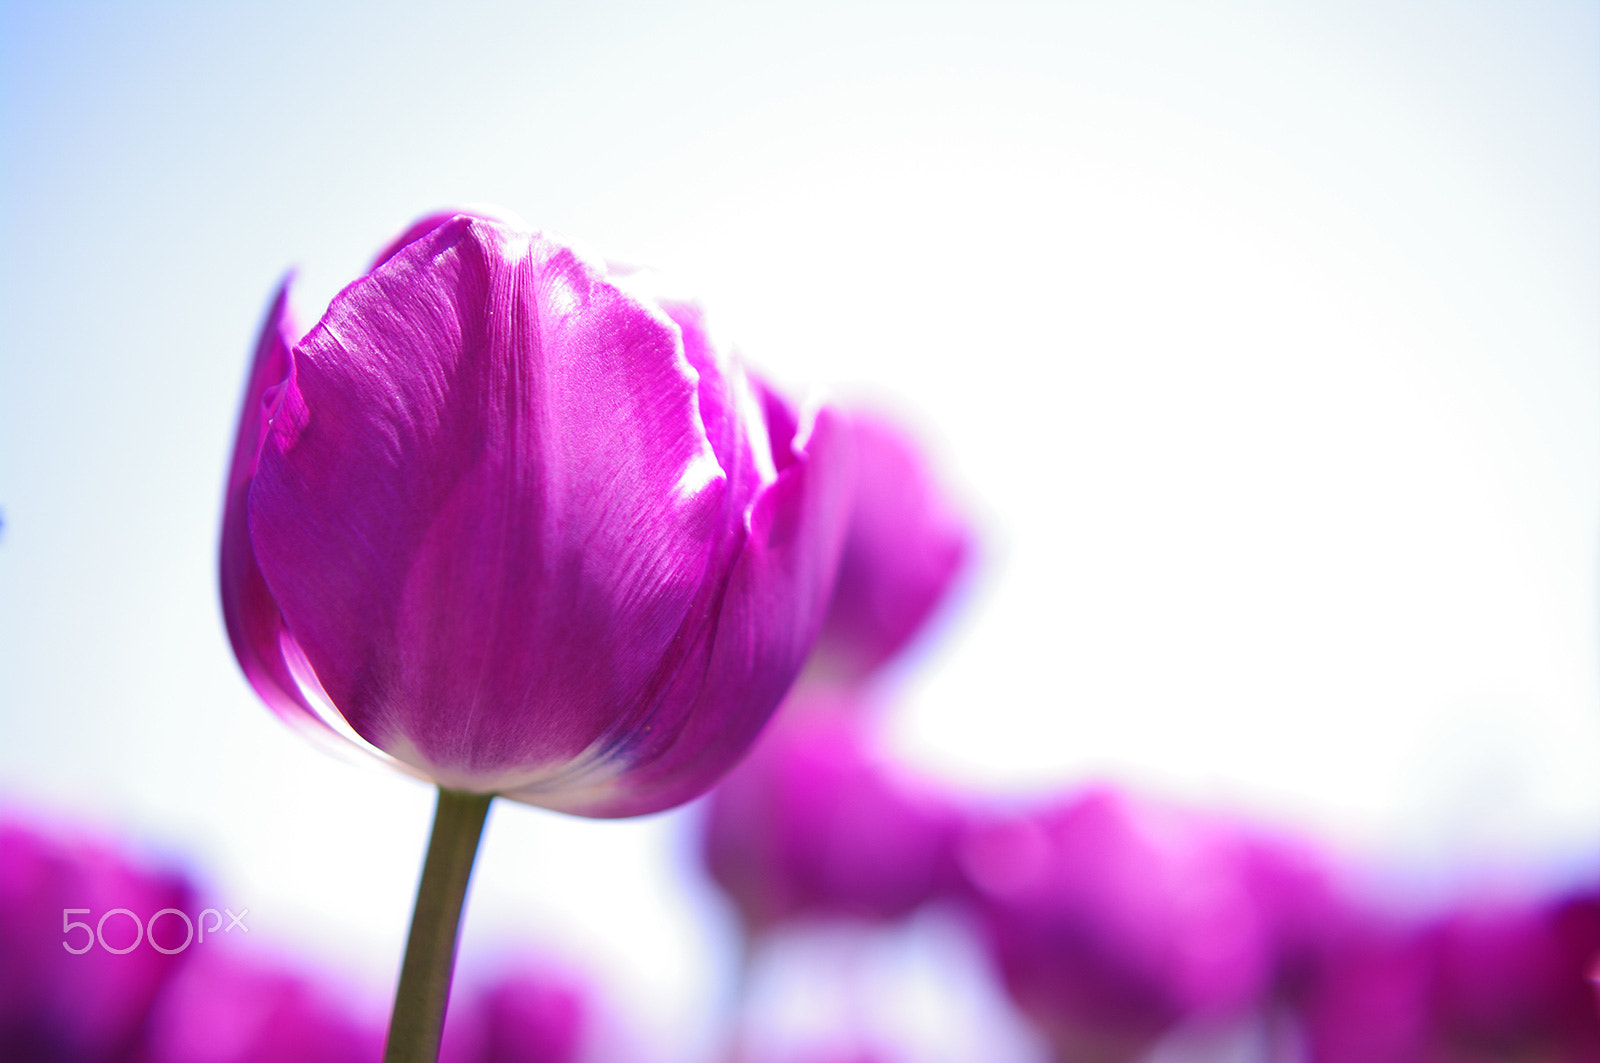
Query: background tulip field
point(1248, 353)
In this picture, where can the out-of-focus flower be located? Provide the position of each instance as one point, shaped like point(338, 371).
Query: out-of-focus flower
point(1511, 980)
point(525, 531)
point(1484, 982)
point(816, 822)
point(1112, 921)
point(528, 1016)
point(86, 1002)
point(1303, 901)
point(222, 1008)
point(1369, 1002)
point(819, 823)
point(906, 544)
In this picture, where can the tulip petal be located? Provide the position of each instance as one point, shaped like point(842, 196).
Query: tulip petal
point(906, 544)
point(485, 503)
point(765, 624)
point(731, 407)
point(429, 222)
point(255, 627)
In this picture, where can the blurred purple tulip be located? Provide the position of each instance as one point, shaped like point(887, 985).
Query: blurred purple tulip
point(906, 544)
point(1511, 980)
point(1369, 1002)
point(818, 823)
point(528, 1016)
point(89, 1007)
point(1112, 921)
point(1304, 904)
point(815, 822)
point(223, 1009)
point(1485, 982)
point(524, 530)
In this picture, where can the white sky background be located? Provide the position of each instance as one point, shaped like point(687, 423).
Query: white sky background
point(1263, 341)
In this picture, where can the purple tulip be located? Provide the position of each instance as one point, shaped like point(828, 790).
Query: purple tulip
point(223, 1009)
point(1513, 979)
point(1370, 1000)
point(1112, 921)
point(906, 544)
point(524, 530)
point(817, 823)
point(528, 1016)
point(84, 1003)
point(1303, 903)
point(1483, 982)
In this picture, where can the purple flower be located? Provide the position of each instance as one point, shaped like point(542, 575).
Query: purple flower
point(1513, 978)
point(1483, 981)
point(818, 823)
point(223, 1009)
point(526, 1016)
point(522, 529)
point(86, 1003)
point(1370, 1000)
point(1113, 920)
point(906, 544)
point(1304, 904)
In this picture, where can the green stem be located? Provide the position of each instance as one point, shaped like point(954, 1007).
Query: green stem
point(419, 1002)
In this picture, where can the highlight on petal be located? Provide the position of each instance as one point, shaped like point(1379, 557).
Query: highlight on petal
point(426, 224)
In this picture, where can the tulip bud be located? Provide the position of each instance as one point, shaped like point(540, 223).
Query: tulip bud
point(77, 975)
point(1112, 921)
point(223, 1008)
point(1514, 975)
point(1484, 980)
point(906, 544)
point(524, 530)
point(531, 1015)
point(817, 824)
